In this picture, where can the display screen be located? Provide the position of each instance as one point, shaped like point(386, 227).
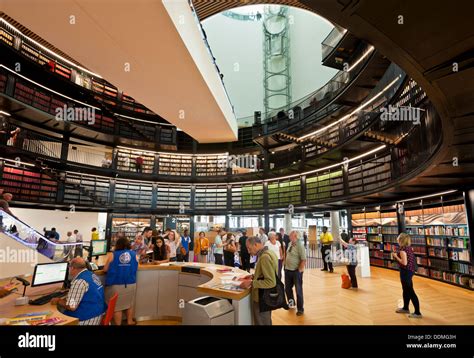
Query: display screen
point(46, 274)
point(99, 247)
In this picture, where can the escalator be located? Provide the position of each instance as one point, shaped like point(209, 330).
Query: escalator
point(16, 235)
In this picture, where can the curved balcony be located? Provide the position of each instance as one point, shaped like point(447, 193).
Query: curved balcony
point(117, 106)
point(357, 176)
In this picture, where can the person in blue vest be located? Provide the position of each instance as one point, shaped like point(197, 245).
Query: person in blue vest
point(85, 299)
point(121, 268)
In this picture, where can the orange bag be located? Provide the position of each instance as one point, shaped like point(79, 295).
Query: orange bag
point(346, 281)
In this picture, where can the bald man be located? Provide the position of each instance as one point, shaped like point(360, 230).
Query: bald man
point(85, 299)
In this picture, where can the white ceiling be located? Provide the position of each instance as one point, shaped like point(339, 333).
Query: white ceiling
point(171, 71)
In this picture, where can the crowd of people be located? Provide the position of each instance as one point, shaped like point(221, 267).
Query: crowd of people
point(269, 256)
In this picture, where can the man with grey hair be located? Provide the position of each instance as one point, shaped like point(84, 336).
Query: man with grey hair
point(85, 299)
point(264, 277)
point(294, 267)
point(274, 245)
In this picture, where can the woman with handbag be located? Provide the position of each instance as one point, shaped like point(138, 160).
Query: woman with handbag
point(351, 260)
point(229, 250)
point(201, 247)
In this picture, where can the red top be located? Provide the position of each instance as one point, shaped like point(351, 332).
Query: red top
point(139, 160)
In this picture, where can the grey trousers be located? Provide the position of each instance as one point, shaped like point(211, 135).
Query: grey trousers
point(261, 318)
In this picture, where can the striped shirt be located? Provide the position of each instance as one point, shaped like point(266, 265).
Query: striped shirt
point(74, 297)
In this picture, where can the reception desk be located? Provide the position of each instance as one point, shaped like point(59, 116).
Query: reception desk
point(163, 290)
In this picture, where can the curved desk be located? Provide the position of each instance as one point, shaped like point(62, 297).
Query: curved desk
point(163, 290)
point(9, 310)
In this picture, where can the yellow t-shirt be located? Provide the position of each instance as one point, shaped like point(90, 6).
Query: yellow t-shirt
point(95, 235)
point(326, 238)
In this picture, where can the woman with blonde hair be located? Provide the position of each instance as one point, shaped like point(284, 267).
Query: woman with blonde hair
point(407, 261)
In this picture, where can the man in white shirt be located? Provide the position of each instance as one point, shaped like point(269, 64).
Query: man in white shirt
point(274, 245)
point(262, 235)
point(79, 239)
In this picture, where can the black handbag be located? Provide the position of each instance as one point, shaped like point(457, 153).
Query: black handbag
point(271, 299)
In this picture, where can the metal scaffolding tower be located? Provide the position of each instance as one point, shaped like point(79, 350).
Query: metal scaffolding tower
point(276, 57)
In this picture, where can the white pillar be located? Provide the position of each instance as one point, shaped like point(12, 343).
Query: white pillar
point(335, 226)
point(288, 226)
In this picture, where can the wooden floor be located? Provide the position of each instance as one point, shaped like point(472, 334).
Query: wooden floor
point(374, 303)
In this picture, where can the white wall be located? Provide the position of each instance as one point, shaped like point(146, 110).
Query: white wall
point(241, 42)
point(237, 47)
point(307, 31)
point(17, 259)
point(63, 221)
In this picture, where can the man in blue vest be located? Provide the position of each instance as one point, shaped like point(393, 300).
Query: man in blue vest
point(85, 299)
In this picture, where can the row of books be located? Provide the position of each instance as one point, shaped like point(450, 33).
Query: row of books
point(460, 256)
point(375, 238)
point(462, 268)
point(438, 264)
point(390, 247)
point(438, 252)
point(420, 260)
point(375, 245)
point(456, 278)
point(390, 230)
point(419, 250)
point(418, 241)
point(377, 254)
point(438, 230)
point(392, 239)
point(435, 241)
point(459, 243)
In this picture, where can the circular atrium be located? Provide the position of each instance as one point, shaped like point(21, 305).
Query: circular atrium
point(226, 130)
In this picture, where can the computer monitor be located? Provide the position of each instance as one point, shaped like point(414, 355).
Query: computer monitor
point(99, 247)
point(49, 273)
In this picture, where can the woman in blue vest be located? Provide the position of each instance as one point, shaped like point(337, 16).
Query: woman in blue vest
point(121, 268)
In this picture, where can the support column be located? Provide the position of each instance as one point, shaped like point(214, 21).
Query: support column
point(349, 222)
point(65, 147)
point(288, 226)
point(469, 204)
point(401, 217)
point(335, 226)
point(108, 230)
point(266, 221)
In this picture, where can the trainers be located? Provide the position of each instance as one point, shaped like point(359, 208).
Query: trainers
point(299, 313)
point(415, 315)
point(402, 310)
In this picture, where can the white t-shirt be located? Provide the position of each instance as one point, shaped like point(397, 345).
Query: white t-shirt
point(275, 248)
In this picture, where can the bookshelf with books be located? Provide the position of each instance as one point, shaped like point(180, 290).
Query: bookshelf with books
point(441, 242)
point(179, 165)
point(130, 226)
point(439, 234)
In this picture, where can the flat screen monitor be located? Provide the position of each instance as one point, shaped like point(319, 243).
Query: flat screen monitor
point(49, 273)
point(99, 247)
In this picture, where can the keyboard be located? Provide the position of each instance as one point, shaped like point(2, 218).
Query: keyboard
point(46, 298)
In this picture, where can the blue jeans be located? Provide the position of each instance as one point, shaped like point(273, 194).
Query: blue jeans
point(294, 278)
